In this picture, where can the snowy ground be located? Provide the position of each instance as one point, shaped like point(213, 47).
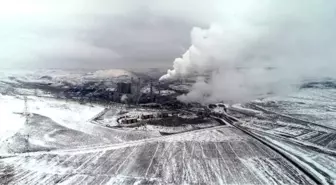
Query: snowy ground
point(68, 114)
point(212, 156)
point(303, 124)
point(315, 105)
point(49, 119)
point(218, 155)
point(59, 144)
point(67, 149)
point(10, 122)
point(55, 124)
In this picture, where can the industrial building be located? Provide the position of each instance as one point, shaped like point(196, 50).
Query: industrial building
point(124, 88)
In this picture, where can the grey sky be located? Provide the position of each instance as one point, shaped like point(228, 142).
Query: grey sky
point(122, 33)
point(96, 33)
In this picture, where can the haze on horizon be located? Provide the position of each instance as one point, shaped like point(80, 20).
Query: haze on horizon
point(252, 47)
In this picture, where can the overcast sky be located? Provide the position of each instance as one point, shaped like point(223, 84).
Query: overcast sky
point(98, 33)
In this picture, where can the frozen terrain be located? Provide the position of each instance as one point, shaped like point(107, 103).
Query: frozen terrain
point(53, 124)
point(303, 124)
point(214, 156)
point(278, 140)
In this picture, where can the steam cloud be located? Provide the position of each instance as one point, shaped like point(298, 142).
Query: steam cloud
point(266, 47)
point(124, 98)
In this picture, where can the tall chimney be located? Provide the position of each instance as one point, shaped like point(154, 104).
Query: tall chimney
point(138, 86)
point(151, 90)
point(138, 91)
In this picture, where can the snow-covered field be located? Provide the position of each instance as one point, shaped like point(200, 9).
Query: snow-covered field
point(303, 124)
point(58, 143)
point(212, 156)
point(89, 153)
point(10, 121)
point(68, 114)
point(315, 105)
point(59, 116)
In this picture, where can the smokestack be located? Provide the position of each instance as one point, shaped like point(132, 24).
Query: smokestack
point(151, 91)
point(159, 88)
point(138, 91)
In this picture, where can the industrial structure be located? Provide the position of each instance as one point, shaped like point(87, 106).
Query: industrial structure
point(132, 89)
point(124, 88)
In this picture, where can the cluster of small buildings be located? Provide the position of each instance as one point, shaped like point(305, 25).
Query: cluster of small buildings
point(130, 120)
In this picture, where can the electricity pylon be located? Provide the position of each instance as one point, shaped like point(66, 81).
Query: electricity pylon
point(26, 111)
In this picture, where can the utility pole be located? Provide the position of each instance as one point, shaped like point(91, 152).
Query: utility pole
point(26, 111)
point(159, 88)
point(26, 140)
point(151, 91)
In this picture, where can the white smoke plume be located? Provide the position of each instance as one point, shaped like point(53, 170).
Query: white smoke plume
point(267, 47)
point(124, 98)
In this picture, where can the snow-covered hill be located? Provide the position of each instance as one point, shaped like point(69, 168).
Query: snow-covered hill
point(61, 77)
